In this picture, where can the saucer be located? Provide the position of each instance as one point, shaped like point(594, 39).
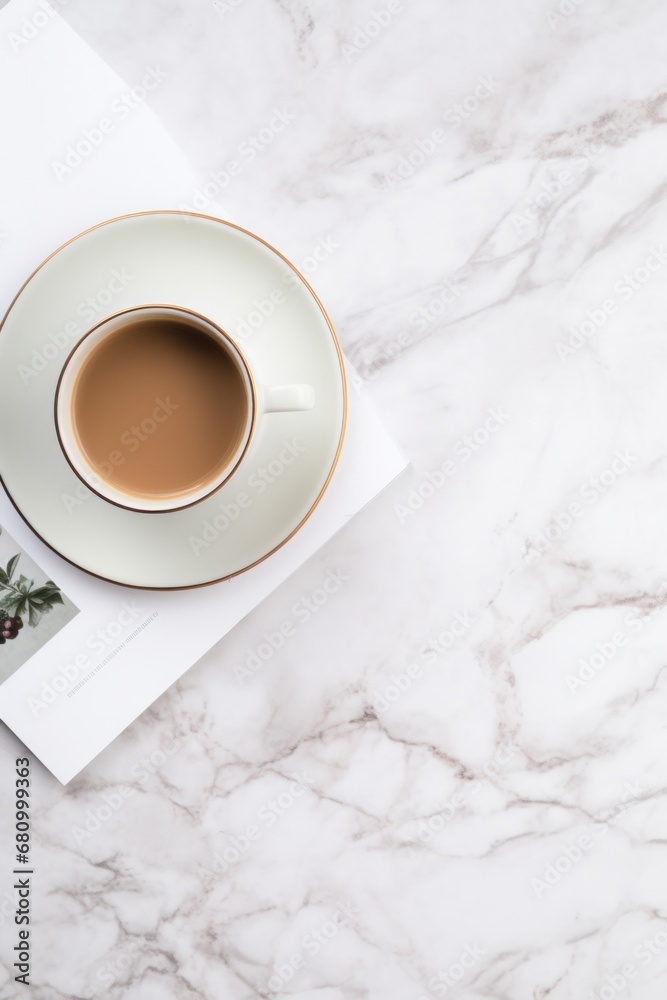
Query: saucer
point(264, 305)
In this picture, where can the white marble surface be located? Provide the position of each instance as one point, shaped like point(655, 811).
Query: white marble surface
point(497, 830)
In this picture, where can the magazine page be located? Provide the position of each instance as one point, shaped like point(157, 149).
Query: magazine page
point(82, 658)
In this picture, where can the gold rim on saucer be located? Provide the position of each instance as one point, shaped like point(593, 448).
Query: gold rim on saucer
point(231, 225)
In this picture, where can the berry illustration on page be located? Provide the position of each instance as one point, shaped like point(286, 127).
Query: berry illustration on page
point(20, 596)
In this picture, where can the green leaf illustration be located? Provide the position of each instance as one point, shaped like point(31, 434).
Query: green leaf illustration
point(21, 596)
point(11, 566)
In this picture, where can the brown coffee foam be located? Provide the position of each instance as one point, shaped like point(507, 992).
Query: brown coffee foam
point(159, 408)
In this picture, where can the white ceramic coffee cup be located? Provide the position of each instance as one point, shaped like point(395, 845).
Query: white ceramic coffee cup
point(260, 400)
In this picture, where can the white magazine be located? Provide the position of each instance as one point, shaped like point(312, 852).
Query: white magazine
point(98, 655)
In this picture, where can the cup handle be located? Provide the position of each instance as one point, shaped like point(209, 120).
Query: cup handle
point(286, 398)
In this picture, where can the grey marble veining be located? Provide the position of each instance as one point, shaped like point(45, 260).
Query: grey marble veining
point(450, 781)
